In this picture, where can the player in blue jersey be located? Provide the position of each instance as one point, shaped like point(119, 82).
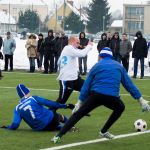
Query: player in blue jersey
point(102, 87)
point(31, 109)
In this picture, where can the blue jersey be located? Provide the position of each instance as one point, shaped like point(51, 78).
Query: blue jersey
point(33, 112)
point(105, 78)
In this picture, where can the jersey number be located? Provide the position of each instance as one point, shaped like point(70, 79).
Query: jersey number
point(28, 107)
point(63, 61)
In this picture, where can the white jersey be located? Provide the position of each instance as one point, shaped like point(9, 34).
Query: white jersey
point(67, 62)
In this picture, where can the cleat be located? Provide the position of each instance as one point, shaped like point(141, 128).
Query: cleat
point(55, 139)
point(107, 135)
point(74, 129)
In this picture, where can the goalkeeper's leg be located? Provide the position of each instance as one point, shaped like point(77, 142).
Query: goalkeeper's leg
point(89, 105)
point(117, 106)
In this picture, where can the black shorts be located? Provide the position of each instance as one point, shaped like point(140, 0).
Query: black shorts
point(66, 88)
point(53, 125)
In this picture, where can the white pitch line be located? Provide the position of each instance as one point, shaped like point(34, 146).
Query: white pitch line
point(52, 90)
point(95, 141)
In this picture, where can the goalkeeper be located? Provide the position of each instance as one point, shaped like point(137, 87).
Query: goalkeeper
point(102, 87)
point(31, 109)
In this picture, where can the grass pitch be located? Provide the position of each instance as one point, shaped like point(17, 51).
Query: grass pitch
point(45, 85)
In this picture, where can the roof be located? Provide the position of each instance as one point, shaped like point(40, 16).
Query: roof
point(5, 18)
point(23, 2)
point(117, 23)
point(77, 12)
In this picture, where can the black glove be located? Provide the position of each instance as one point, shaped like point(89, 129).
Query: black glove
point(4, 127)
point(70, 106)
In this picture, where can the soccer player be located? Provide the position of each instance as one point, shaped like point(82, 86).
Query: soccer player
point(31, 110)
point(102, 87)
point(69, 79)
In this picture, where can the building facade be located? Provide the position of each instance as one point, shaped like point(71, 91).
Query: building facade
point(56, 20)
point(7, 23)
point(13, 7)
point(136, 18)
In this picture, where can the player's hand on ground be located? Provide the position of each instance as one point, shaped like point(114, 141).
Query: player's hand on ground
point(70, 106)
point(4, 127)
point(144, 104)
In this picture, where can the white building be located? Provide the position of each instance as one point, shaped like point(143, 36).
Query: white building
point(7, 23)
point(13, 7)
point(116, 26)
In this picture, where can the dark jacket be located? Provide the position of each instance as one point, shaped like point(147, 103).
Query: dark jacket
point(140, 46)
point(60, 44)
point(40, 46)
point(1, 42)
point(102, 43)
point(115, 45)
point(83, 41)
point(49, 44)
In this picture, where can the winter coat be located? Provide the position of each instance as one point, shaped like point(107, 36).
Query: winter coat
point(9, 46)
point(60, 44)
point(31, 46)
point(40, 46)
point(125, 48)
point(49, 45)
point(139, 48)
point(102, 43)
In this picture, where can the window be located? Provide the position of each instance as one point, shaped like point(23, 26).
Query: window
point(135, 10)
point(134, 25)
point(59, 18)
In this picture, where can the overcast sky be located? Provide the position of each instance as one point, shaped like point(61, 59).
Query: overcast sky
point(114, 4)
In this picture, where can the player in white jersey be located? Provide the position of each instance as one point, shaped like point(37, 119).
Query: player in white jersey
point(69, 79)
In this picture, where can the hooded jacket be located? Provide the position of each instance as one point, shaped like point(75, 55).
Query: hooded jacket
point(140, 46)
point(102, 43)
point(49, 44)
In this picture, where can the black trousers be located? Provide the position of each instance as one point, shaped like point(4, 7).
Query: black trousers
point(91, 103)
point(84, 60)
point(125, 62)
point(49, 63)
point(67, 87)
point(8, 58)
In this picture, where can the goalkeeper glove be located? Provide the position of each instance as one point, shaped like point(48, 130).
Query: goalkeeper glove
point(77, 106)
point(144, 104)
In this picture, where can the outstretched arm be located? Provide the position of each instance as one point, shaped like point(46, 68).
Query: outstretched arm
point(50, 103)
point(16, 121)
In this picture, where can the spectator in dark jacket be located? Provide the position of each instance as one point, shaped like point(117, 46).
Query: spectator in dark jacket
point(61, 42)
point(56, 51)
point(40, 50)
point(139, 53)
point(83, 43)
point(1, 56)
point(103, 42)
point(49, 53)
point(115, 46)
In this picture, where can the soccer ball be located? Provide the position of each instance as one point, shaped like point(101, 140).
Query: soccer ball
point(140, 125)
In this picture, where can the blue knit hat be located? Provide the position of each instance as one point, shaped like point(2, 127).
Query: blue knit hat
point(22, 90)
point(106, 52)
